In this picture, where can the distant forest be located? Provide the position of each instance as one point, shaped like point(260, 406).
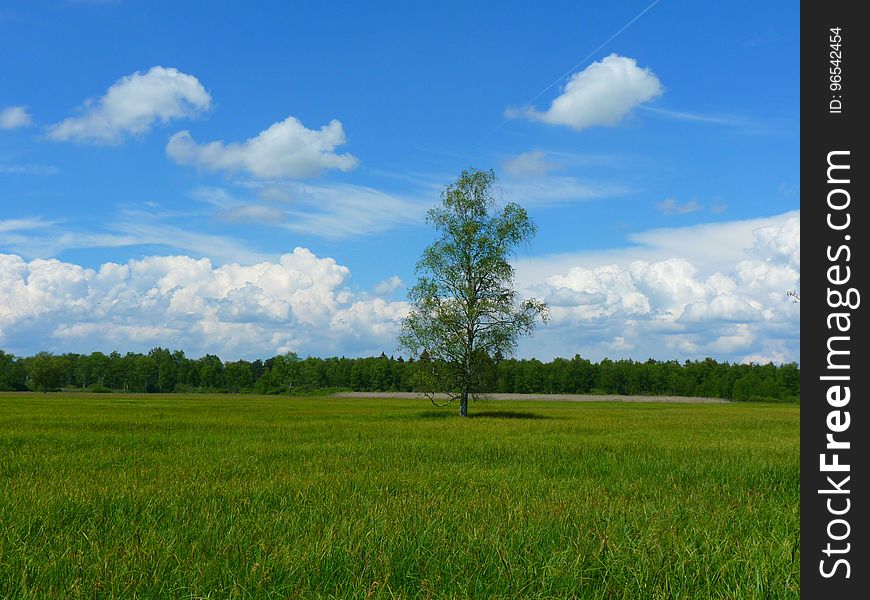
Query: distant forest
point(162, 370)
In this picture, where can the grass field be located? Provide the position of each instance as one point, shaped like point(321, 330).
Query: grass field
point(265, 497)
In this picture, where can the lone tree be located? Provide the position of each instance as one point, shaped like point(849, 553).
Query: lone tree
point(464, 307)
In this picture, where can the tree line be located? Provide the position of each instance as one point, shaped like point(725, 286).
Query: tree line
point(164, 370)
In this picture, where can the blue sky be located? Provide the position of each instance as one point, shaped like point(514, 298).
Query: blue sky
point(253, 178)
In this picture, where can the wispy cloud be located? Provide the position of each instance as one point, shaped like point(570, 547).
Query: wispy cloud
point(670, 206)
point(28, 169)
point(40, 238)
point(9, 225)
point(330, 210)
point(13, 117)
point(587, 159)
point(143, 228)
point(529, 164)
point(216, 196)
point(344, 210)
point(697, 117)
point(738, 123)
point(252, 213)
point(558, 190)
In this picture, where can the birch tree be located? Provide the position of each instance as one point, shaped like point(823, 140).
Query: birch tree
point(464, 307)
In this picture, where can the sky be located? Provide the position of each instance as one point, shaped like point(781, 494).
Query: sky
point(248, 179)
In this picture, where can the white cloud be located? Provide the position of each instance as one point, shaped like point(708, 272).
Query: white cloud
point(529, 164)
point(783, 243)
point(702, 118)
point(138, 228)
point(554, 191)
point(714, 290)
point(368, 321)
point(133, 104)
point(284, 149)
point(709, 290)
point(13, 117)
point(602, 94)
point(8, 225)
point(670, 206)
point(737, 123)
point(334, 210)
point(298, 303)
point(37, 237)
point(388, 286)
point(331, 210)
point(339, 210)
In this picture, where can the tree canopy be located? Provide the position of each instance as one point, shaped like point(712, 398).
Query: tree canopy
point(465, 310)
point(162, 370)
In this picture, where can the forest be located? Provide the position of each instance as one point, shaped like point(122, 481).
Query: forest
point(164, 370)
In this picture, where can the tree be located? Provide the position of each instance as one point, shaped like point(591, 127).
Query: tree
point(12, 373)
point(464, 309)
point(239, 376)
point(46, 372)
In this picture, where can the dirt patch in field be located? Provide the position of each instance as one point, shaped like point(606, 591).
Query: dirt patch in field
point(552, 397)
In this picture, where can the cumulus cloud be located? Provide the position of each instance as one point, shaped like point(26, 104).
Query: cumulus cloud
point(133, 104)
point(716, 290)
point(285, 149)
point(13, 117)
point(299, 303)
point(388, 286)
point(682, 306)
point(780, 243)
point(602, 94)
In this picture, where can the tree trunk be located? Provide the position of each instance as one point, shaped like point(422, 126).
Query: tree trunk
point(463, 404)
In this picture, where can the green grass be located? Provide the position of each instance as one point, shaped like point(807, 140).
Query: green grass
point(265, 497)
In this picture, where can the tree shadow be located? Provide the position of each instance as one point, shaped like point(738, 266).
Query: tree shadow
point(505, 414)
point(483, 414)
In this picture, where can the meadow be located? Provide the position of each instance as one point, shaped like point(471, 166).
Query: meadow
point(177, 496)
